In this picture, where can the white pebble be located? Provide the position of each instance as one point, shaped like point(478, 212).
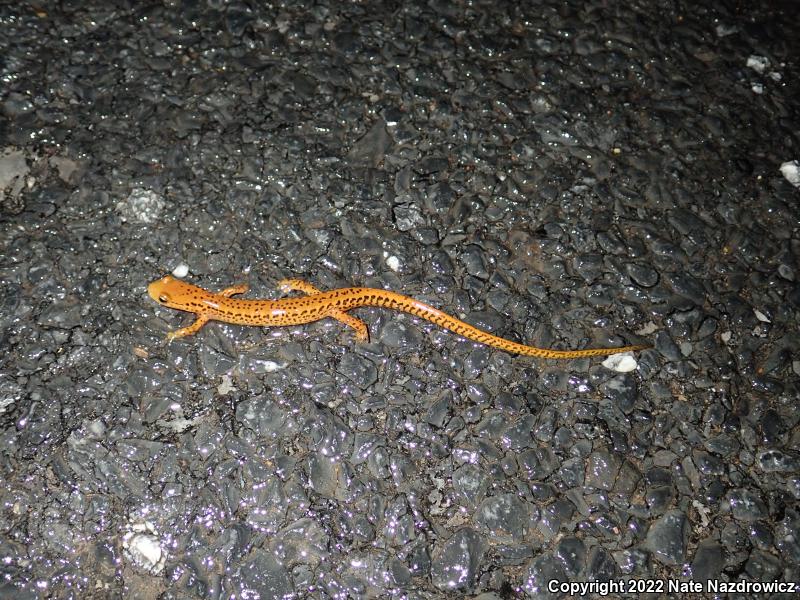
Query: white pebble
point(13, 167)
point(621, 363)
point(759, 64)
point(181, 271)
point(791, 171)
point(143, 548)
point(647, 329)
point(761, 316)
point(393, 262)
point(226, 386)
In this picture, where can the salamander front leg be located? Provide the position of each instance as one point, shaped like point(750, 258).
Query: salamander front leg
point(184, 331)
point(298, 285)
point(234, 289)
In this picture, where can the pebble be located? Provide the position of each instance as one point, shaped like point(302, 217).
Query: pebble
point(667, 538)
point(455, 562)
point(503, 516)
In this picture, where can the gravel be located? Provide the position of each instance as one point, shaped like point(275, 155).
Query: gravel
point(570, 175)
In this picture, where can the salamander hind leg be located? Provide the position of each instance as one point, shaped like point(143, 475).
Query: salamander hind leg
point(184, 331)
point(298, 285)
point(234, 289)
point(362, 331)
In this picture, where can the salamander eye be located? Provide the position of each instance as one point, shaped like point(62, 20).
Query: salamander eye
point(163, 298)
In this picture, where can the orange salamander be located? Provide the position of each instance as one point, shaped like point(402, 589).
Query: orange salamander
point(316, 305)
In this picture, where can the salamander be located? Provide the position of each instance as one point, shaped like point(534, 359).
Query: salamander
point(316, 305)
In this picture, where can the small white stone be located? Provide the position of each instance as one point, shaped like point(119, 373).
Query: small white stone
point(13, 166)
point(621, 363)
point(145, 551)
point(178, 424)
point(726, 336)
point(761, 316)
point(703, 511)
point(647, 329)
point(393, 263)
point(791, 171)
point(96, 427)
point(758, 63)
point(226, 385)
point(757, 88)
point(143, 548)
point(180, 271)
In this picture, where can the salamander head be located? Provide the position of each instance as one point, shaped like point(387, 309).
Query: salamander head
point(174, 293)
